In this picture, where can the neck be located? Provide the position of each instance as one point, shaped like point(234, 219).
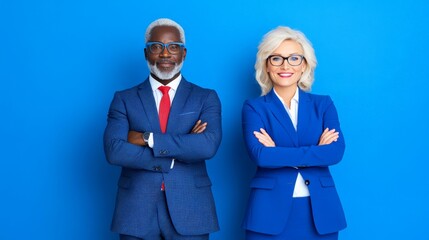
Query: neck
point(286, 94)
point(164, 81)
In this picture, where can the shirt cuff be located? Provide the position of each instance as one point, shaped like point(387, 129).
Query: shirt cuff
point(150, 143)
point(150, 140)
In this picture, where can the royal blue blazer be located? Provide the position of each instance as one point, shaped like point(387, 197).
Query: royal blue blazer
point(187, 186)
point(270, 199)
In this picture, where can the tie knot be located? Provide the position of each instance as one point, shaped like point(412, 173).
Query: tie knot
point(164, 89)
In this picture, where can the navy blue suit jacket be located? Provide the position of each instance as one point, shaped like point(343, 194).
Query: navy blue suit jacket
point(188, 186)
point(272, 187)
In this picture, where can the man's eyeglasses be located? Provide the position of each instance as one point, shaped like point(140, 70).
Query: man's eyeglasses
point(293, 60)
point(158, 47)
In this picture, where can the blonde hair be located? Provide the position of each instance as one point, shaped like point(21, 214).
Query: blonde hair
point(270, 43)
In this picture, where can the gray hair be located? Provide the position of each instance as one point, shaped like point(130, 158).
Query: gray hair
point(270, 43)
point(164, 22)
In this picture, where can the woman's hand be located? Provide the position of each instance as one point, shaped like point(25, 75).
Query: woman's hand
point(328, 136)
point(264, 138)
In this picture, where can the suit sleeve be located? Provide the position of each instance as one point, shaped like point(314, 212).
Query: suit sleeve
point(190, 148)
point(285, 156)
point(119, 151)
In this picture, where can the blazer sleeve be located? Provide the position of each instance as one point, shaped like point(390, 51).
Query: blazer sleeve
point(190, 148)
point(119, 151)
point(291, 156)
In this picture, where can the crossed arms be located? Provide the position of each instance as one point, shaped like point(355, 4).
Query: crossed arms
point(125, 147)
point(265, 153)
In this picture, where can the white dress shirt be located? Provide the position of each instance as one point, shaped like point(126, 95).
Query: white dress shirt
point(300, 190)
point(157, 95)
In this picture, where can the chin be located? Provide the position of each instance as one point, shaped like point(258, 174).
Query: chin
point(165, 74)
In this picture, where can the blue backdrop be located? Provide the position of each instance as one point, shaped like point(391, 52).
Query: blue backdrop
point(61, 61)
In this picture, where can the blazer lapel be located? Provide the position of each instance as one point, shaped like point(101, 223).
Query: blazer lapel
point(149, 105)
point(279, 112)
point(178, 104)
point(304, 112)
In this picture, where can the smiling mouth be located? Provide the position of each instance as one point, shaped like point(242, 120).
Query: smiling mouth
point(285, 75)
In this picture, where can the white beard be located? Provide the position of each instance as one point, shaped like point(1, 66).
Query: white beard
point(164, 75)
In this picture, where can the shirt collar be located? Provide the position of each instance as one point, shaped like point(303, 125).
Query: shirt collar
point(173, 84)
point(295, 98)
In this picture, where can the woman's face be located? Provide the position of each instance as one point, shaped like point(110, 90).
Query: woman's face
point(286, 75)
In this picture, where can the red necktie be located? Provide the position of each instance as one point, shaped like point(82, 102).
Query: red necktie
point(164, 108)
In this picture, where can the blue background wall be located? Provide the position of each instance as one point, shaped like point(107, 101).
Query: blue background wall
point(61, 61)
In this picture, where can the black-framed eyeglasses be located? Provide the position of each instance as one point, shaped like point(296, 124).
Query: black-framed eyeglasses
point(293, 60)
point(158, 47)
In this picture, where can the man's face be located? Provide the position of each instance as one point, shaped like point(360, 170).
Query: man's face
point(165, 65)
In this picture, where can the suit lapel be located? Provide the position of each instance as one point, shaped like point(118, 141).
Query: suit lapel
point(304, 112)
point(149, 105)
point(182, 94)
point(279, 112)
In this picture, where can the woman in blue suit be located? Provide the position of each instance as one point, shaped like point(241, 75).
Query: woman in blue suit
point(293, 136)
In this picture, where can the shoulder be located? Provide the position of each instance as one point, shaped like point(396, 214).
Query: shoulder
point(130, 90)
point(200, 92)
point(321, 101)
point(315, 97)
point(199, 89)
point(257, 104)
point(256, 101)
point(132, 93)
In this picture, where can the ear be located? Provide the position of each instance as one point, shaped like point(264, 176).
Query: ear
point(304, 67)
point(145, 54)
point(184, 53)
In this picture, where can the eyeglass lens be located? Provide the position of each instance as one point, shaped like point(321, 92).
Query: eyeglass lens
point(293, 60)
point(173, 48)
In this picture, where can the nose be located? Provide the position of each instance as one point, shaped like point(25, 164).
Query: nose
point(285, 64)
point(164, 52)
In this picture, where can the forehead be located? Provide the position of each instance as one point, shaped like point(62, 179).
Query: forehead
point(288, 47)
point(165, 34)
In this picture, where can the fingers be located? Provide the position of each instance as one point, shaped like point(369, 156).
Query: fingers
point(328, 136)
point(264, 138)
point(264, 132)
point(199, 127)
point(331, 138)
point(196, 125)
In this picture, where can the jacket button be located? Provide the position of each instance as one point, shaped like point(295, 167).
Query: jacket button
point(307, 182)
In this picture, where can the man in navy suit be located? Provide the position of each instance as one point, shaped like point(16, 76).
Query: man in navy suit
point(160, 133)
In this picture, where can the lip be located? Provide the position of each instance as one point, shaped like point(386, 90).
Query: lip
point(285, 74)
point(165, 64)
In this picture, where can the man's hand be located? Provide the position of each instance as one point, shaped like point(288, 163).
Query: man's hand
point(328, 136)
point(136, 138)
point(199, 127)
